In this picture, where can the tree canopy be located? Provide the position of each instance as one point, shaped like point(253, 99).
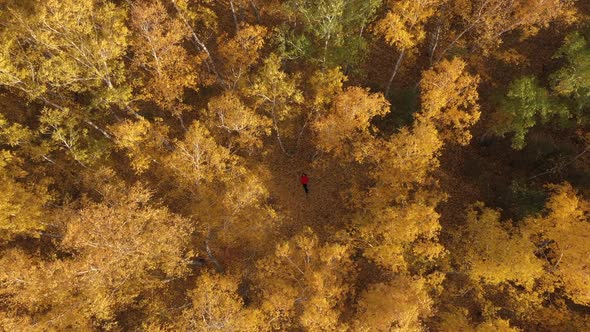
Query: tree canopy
point(152, 156)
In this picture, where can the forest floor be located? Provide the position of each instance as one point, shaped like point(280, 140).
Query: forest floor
point(323, 207)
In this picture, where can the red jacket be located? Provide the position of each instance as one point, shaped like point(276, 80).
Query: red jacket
point(304, 179)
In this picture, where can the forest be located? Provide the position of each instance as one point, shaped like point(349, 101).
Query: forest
point(152, 156)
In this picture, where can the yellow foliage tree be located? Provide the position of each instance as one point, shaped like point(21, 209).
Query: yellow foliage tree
point(121, 249)
point(157, 39)
point(304, 283)
point(349, 120)
point(241, 52)
point(277, 94)
point(403, 162)
point(496, 325)
point(392, 234)
point(247, 217)
point(496, 253)
point(326, 85)
point(217, 306)
point(198, 158)
point(487, 21)
point(125, 247)
point(73, 46)
point(403, 26)
point(244, 127)
point(22, 211)
point(565, 230)
point(449, 100)
point(141, 140)
point(66, 132)
point(398, 223)
point(455, 319)
point(398, 305)
point(205, 180)
point(41, 295)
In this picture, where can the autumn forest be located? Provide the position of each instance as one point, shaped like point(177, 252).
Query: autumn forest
point(152, 155)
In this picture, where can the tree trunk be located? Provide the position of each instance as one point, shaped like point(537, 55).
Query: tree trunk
point(397, 65)
point(209, 62)
point(215, 262)
point(256, 11)
point(233, 12)
point(276, 125)
point(434, 45)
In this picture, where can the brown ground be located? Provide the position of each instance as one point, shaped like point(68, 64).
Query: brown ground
point(323, 208)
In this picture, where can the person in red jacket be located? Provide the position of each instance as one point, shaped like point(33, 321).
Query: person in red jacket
point(304, 180)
